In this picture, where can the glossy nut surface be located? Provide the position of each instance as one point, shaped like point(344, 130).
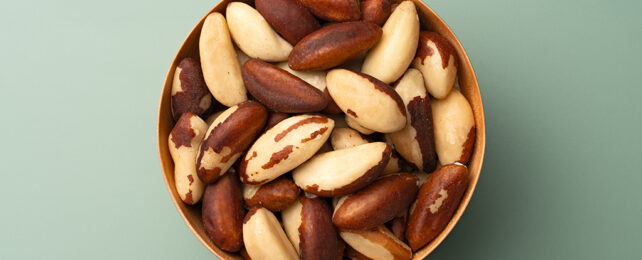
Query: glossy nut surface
point(392, 55)
point(343, 171)
point(226, 139)
point(264, 238)
point(221, 68)
point(454, 128)
point(275, 195)
point(334, 10)
point(223, 212)
point(288, 17)
point(376, 243)
point(436, 61)
point(189, 92)
point(183, 143)
point(375, 11)
point(308, 224)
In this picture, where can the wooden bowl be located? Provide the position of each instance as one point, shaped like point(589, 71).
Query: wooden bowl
point(429, 21)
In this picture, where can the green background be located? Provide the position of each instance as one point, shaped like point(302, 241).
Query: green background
point(80, 82)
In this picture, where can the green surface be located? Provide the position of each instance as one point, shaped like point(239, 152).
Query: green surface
point(80, 83)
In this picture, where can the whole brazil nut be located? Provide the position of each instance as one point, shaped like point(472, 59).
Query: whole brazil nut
point(226, 139)
point(221, 68)
point(352, 123)
point(436, 61)
point(343, 171)
point(376, 243)
point(223, 212)
point(377, 203)
point(333, 45)
point(183, 147)
point(253, 35)
point(342, 138)
point(392, 55)
point(375, 11)
point(454, 128)
point(288, 17)
point(284, 147)
point(437, 201)
point(264, 238)
point(275, 195)
point(308, 224)
point(315, 78)
point(279, 90)
point(189, 92)
point(334, 10)
point(416, 141)
point(370, 102)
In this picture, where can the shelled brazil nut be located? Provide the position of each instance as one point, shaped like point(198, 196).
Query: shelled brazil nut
point(223, 212)
point(189, 92)
point(275, 195)
point(183, 144)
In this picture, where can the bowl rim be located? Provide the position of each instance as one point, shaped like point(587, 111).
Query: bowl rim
point(478, 150)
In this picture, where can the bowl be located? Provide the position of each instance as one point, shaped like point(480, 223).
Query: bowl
point(429, 21)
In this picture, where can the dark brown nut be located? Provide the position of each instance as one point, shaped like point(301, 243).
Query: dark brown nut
point(328, 175)
point(332, 107)
point(223, 212)
point(437, 62)
point(275, 195)
point(288, 17)
point(334, 10)
point(398, 225)
point(244, 254)
point(226, 139)
point(416, 141)
point(437, 201)
point(454, 125)
point(264, 237)
point(376, 243)
point(183, 143)
point(375, 11)
point(189, 92)
point(274, 118)
point(308, 224)
point(333, 45)
point(280, 90)
point(377, 203)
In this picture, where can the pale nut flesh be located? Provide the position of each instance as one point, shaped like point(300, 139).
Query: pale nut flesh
point(254, 36)
point(437, 62)
point(264, 238)
point(360, 165)
point(415, 142)
point(454, 128)
point(284, 147)
point(376, 243)
point(183, 144)
point(221, 68)
point(352, 123)
point(392, 55)
point(342, 138)
point(372, 103)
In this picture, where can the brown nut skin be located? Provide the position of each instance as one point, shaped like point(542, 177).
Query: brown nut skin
point(398, 225)
point(189, 92)
point(437, 201)
point(223, 212)
point(332, 107)
point(333, 45)
point(275, 195)
point(318, 237)
point(334, 10)
point(274, 118)
point(377, 203)
point(355, 255)
point(288, 18)
point(375, 11)
point(236, 133)
point(280, 90)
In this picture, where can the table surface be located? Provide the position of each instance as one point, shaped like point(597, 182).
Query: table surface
point(80, 83)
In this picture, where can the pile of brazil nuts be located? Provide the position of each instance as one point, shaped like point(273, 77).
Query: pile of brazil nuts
point(352, 141)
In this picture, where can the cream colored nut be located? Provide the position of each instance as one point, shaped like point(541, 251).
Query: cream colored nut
point(264, 238)
point(308, 224)
point(210, 119)
point(312, 77)
point(415, 142)
point(352, 123)
point(437, 62)
point(393, 166)
point(253, 35)
point(370, 102)
point(376, 243)
point(343, 171)
point(392, 55)
point(454, 128)
point(284, 147)
point(221, 68)
point(345, 138)
point(183, 146)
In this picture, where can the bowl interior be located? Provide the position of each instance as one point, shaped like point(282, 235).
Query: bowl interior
point(429, 21)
